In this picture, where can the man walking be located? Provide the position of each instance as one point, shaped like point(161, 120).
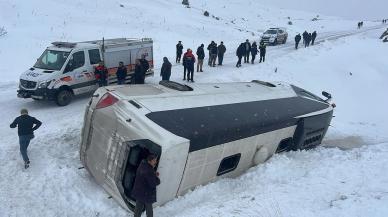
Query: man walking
point(253, 52)
point(297, 40)
point(262, 49)
point(209, 48)
point(221, 52)
point(247, 51)
point(313, 37)
point(305, 35)
point(165, 71)
point(179, 51)
point(240, 53)
point(201, 57)
point(26, 127)
point(144, 188)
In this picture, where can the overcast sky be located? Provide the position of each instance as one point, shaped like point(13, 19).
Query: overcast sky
point(352, 9)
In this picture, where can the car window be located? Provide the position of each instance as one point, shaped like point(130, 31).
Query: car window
point(76, 61)
point(94, 56)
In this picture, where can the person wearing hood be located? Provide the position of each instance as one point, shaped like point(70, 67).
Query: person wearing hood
point(313, 37)
point(305, 35)
point(179, 51)
point(253, 52)
point(297, 40)
point(165, 71)
point(188, 61)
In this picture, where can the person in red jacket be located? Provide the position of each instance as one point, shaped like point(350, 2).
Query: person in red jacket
point(188, 61)
point(101, 74)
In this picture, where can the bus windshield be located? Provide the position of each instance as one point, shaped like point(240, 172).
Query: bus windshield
point(52, 60)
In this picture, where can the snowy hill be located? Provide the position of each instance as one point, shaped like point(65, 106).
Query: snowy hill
point(329, 181)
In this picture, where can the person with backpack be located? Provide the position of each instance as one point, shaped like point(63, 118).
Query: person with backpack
point(165, 71)
point(189, 60)
point(121, 73)
point(240, 53)
point(263, 49)
point(221, 52)
point(253, 52)
point(179, 51)
point(201, 56)
point(26, 127)
point(297, 40)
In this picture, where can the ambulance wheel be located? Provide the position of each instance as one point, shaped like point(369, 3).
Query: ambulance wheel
point(63, 97)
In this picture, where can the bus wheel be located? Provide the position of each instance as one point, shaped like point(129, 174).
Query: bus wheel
point(63, 97)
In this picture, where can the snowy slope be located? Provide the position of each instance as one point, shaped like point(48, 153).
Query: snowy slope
point(320, 182)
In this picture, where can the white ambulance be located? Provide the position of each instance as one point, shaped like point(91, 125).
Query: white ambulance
point(67, 69)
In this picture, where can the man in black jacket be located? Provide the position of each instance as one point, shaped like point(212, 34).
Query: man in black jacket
point(221, 51)
point(179, 51)
point(144, 188)
point(121, 73)
point(139, 75)
point(313, 37)
point(253, 52)
point(201, 57)
point(240, 53)
point(26, 127)
point(247, 51)
point(297, 40)
point(263, 49)
point(165, 71)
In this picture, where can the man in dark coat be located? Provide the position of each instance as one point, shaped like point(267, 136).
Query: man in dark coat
point(221, 52)
point(144, 187)
point(263, 49)
point(121, 73)
point(139, 75)
point(213, 54)
point(179, 51)
point(297, 40)
point(240, 53)
point(247, 48)
point(201, 57)
point(101, 74)
point(26, 127)
point(144, 63)
point(209, 48)
point(253, 52)
point(305, 35)
point(165, 71)
point(313, 37)
point(189, 60)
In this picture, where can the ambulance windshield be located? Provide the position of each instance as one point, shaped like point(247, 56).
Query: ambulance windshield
point(52, 60)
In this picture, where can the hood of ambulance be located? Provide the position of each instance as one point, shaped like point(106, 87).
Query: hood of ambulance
point(38, 75)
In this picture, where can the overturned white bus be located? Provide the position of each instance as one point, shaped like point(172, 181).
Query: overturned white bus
point(200, 132)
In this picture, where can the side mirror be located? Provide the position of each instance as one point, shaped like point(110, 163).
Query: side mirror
point(326, 94)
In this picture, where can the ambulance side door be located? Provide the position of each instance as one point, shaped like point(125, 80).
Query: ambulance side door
point(74, 70)
point(93, 58)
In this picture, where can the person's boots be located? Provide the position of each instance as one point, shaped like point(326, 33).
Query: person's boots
point(26, 164)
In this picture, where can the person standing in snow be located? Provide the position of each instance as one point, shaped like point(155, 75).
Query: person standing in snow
point(184, 65)
point(189, 60)
point(240, 53)
point(144, 187)
point(144, 63)
point(209, 48)
point(221, 52)
point(165, 71)
point(305, 35)
point(179, 51)
point(201, 57)
point(247, 51)
point(297, 40)
point(308, 40)
point(313, 37)
point(26, 127)
point(139, 75)
point(121, 73)
point(213, 53)
point(263, 49)
point(253, 52)
point(101, 74)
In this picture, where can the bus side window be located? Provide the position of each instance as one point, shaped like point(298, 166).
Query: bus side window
point(94, 56)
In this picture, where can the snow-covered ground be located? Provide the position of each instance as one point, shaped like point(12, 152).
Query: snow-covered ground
point(347, 176)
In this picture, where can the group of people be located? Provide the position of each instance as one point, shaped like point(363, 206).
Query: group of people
point(245, 49)
point(141, 67)
point(308, 39)
point(384, 21)
point(384, 36)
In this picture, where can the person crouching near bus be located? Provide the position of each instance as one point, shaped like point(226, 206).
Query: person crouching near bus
point(101, 74)
point(144, 188)
point(121, 73)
